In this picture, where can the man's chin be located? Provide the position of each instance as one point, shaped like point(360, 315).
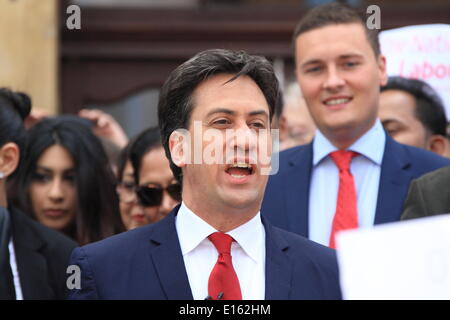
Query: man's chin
point(240, 200)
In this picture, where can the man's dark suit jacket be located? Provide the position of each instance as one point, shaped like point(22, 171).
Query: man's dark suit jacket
point(147, 263)
point(41, 257)
point(428, 195)
point(286, 199)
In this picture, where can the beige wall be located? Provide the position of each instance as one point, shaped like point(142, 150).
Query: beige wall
point(28, 49)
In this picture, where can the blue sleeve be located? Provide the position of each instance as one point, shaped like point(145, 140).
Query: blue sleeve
point(81, 282)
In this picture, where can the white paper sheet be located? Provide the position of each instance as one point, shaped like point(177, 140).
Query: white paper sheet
point(420, 52)
point(401, 260)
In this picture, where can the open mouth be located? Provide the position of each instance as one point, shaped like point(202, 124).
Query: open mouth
point(240, 170)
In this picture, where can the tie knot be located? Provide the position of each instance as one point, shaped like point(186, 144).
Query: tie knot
point(221, 241)
point(342, 158)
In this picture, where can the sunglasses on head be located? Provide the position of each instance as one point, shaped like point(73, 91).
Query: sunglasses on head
point(152, 196)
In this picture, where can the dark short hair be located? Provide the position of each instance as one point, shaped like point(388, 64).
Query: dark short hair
point(175, 101)
point(14, 108)
point(336, 13)
point(429, 109)
point(279, 106)
point(145, 142)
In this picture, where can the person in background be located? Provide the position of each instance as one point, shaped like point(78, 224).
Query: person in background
point(66, 182)
point(110, 133)
point(296, 127)
point(131, 212)
point(428, 195)
point(352, 175)
point(412, 113)
point(149, 195)
point(158, 190)
point(104, 126)
point(33, 258)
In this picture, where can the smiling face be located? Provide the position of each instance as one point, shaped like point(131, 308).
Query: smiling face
point(52, 190)
point(228, 116)
point(340, 77)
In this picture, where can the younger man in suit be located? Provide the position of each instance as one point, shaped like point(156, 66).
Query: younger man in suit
point(214, 115)
point(352, 174)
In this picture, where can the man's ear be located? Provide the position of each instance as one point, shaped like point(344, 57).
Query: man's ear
point(383, 70)
point(282, 126)
point(438, 144)
point(179, 146)
point(9, 158)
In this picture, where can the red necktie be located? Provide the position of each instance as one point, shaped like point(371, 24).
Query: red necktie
point(223, 282)
point(346, 216)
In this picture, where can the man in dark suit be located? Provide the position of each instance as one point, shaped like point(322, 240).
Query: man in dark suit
point(41, 256)
point(214, 114)
point(352, 174)
point(428, 195)
point(34, 259)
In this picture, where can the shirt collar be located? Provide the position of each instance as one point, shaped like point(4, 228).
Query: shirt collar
point(250, 236)
point(370, 145)
point(192, 230)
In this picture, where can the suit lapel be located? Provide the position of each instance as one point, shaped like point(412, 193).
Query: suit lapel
point(394, 182)
point(167, 258)
point(278, 266)
point(298, 178)
point(31, 263)
point(7, 283)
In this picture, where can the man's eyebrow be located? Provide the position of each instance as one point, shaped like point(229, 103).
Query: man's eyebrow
point(231, 112)
point(343, 56)
point(310, 62)
point(258, 112)
point(350, 55)
point(220, 110)
point(389, 121)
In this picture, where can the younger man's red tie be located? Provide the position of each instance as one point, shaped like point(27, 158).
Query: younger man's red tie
point(346, 216)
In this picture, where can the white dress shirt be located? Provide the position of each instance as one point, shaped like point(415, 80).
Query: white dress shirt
point(199, 254)
point(324, 187)
point(13, 263)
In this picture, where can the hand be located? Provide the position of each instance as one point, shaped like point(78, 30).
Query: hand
point(105, 126)
point(34, 117)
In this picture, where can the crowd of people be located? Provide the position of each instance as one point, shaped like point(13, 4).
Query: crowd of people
point(359, 149)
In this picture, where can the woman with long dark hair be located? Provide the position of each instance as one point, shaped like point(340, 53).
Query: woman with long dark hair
point(33, 258)
point(67, 183)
